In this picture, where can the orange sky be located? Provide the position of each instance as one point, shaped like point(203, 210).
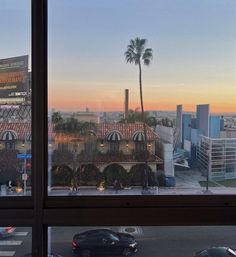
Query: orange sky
point(222, 103)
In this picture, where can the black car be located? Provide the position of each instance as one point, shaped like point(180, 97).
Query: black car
point(103, 242)
point(216, 252)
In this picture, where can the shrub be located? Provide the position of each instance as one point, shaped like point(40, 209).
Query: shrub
point(89, 175)
point(136, 176)
point(115, 172)
point(61, 175)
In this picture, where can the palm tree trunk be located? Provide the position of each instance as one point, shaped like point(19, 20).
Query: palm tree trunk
point(145, 184)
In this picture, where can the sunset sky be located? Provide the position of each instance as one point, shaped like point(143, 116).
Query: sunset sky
point(193, 42)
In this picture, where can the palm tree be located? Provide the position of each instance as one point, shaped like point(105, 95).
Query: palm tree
point(136, 53)
point(56, 118)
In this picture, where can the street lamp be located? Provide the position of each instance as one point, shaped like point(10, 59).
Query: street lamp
point(50, 150)
point(24, 176)
point(208, 168)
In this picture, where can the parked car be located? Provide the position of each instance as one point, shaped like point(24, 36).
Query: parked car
point(6, 231)
point(216, 252)
point(103, 242)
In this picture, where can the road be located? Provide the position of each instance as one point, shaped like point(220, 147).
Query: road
point(157, 241)
point(153, 241)
point(18, 244)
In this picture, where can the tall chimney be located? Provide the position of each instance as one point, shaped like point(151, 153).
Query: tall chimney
point(126, 103)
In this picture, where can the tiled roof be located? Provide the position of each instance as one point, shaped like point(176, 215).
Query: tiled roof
point(126, 130)
point(19, 127)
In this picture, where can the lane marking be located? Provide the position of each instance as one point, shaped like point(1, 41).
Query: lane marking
point(7, 253)
point(8, 242)
point(20, 233)
point(131, 230)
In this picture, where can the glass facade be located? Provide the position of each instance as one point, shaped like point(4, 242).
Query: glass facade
point(218, 157)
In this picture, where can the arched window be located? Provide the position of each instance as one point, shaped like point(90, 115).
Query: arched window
point(114, 139)
point(138, 139)
point(9, 138)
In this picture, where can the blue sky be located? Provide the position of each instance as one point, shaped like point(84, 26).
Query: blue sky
point(193, 42)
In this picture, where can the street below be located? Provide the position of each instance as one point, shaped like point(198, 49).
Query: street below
point(152, 241)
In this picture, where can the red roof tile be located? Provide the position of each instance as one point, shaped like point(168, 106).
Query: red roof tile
point(20, 128)
point(126, 130)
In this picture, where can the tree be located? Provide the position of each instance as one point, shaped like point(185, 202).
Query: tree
point(151, 121)
point(133, 116)
point(9, 165)
point(136, 53)
point(56, 118)
point(166, 122)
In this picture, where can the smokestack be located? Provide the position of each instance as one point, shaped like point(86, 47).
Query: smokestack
point(126, 103)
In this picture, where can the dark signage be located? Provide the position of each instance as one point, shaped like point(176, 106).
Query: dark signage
point(13, 78)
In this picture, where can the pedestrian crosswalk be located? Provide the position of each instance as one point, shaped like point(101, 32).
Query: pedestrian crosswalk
point(7, 253)
point(11, 241)
point(20, 233)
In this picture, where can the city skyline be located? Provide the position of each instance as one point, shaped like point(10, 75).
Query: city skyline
point(193, 45)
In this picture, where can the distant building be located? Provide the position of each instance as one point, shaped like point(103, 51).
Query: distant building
point(179, 124)
point(215, 126)
point(201, 125)
point(186, 126)
point(202, 116)
point(86, 117)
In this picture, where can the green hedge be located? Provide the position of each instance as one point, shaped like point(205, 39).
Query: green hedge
point(89, 175)
point(115, 172)
point(61, 175)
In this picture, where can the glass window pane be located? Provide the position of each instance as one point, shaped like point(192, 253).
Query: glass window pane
point(118, 125)
point(143, 241)
point(15, 98)
point(15, 241)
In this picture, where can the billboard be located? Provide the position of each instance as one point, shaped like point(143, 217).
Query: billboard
point(13, 79)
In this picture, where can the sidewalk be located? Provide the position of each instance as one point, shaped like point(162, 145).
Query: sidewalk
point(188, 179)
point(137, 191)
point(186, 184)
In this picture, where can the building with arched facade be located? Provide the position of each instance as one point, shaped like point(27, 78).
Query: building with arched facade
point(108, 145)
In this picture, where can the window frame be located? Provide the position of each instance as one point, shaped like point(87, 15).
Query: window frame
point(40, 210)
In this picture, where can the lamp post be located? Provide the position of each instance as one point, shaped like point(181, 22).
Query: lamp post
point(50, 150)
point(207, 180)
point(74, 169)
point(208, 170)
point(24, 166)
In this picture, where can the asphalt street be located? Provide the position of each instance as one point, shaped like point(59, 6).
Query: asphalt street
point(152, 241)
point(19, 244)
point(156, 241)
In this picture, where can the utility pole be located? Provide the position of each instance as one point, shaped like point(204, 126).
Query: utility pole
point(24, 166)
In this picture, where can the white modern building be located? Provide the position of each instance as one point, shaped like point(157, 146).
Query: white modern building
point(217, 157)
